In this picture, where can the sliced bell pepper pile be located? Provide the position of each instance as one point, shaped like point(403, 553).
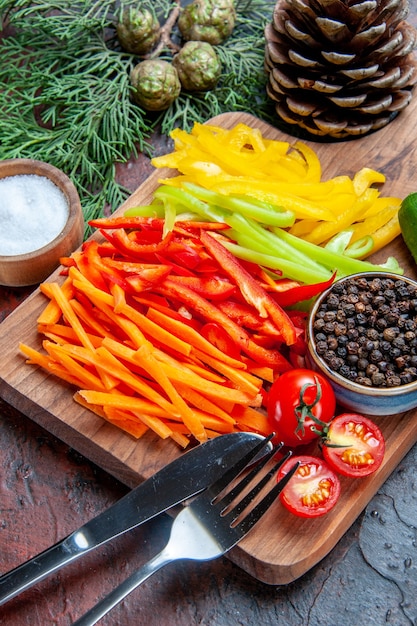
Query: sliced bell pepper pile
point(253, 293)
point(242, 162)
point(168, 332)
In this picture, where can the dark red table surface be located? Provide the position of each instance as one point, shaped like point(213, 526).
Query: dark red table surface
point(47, 490)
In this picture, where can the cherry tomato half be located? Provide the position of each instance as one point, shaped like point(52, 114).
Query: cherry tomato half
point(354, 445)
point(313, 490)
point(298, 401)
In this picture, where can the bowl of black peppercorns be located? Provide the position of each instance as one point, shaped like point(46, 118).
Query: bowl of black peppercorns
point(362, 335)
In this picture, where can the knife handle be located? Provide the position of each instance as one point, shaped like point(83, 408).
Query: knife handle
point(40, 566)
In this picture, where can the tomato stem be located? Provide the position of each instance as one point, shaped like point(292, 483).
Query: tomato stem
point(304, 410)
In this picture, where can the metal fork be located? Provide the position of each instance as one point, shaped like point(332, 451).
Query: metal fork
point(209, 526)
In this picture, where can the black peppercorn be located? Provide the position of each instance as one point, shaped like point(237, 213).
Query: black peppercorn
point(340, 329)
point(401, 362)
point(352, 359)
point(390, 333)
point(328, 328)
point(346, 371)
point(342, 352)
point(318, 324)
point(333, 300)
point(378, 379)
point(352, 347)
point(321, 347)
point(361, 319)
point(373, 334)
point(381, 323)
point(352, 334)
point(375, 356)
point(332, 343)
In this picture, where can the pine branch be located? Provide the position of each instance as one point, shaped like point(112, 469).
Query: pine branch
point(66, 90)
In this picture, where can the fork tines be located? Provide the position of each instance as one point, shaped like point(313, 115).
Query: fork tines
point(258, 511)
point(229, 475)
point(222, 502)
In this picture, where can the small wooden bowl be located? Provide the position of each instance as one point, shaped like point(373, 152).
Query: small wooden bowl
point(31, 268)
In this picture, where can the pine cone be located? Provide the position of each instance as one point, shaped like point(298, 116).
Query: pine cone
point(340, 68)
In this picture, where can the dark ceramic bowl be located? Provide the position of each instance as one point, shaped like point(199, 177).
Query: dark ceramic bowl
point(357, 396)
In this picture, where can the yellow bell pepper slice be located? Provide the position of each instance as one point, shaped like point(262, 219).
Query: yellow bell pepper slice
point(371, 224)
point(302, 227)
point(182, 139)
point(199, 128)
point(312, 160)
point(313, 192)
point(286, 169)
point(192, 166)
point(233, 161)
point(366, 177)
point(387, 233)
point(351, 209)
point(172, 159)
point(381, 204)
point(241, 136)
point(276, 148)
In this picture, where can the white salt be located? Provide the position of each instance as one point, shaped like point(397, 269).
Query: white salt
point(33, 211)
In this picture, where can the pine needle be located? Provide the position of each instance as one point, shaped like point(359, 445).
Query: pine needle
point(66, 91)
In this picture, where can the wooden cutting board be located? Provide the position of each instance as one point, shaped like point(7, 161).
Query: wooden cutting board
point(282, 547)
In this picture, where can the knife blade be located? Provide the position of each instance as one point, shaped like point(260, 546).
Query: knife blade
point(176, 482)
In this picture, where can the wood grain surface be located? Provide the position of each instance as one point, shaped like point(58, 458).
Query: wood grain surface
point(282, 547)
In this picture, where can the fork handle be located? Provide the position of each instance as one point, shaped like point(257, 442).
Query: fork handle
point(127, 586)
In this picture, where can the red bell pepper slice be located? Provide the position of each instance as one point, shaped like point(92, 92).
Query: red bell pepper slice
point(191, 225)
point(106, 249)
point(136, 222)
point(211, 287)
point(146, 279)
point(298, 361)
point(251, 290)
point(254, 270)
point(302, 292)
point(188, 258)
point(117, 279)
point(90, 265)
point(157, 223)
point(279, 284)
point(145, 237)
point(131, 249)
point(246, 316)
point(207, 266)
point(299, 318)
point(132, 267)
point(185, 252)
point(216, 334)
point(176, 268)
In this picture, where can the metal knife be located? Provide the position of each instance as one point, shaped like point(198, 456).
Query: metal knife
point(190, 473)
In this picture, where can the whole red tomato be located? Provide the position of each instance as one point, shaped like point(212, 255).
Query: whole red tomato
point(300, 403)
